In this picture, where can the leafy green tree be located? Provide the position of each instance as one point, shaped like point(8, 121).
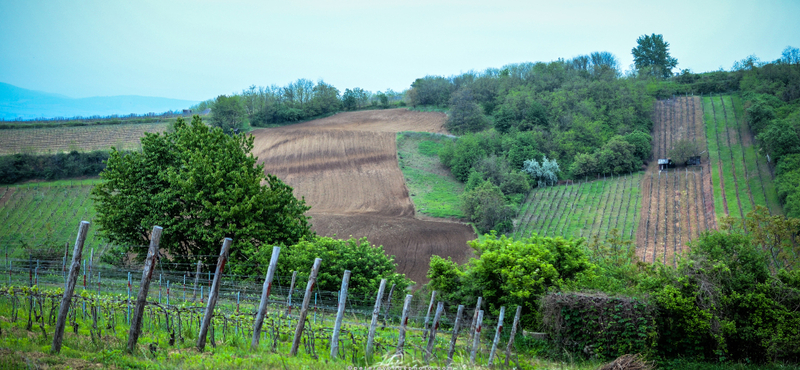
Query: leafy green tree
point(682, 150)
point(642, 143)
point(462, 155)
point(465, 114)
point(349, 100)
point(201, 186)
point(782, 137)
point(509, 272)
point(584, 165)
point(487, 207)
point(368, 264)
point(652, 56)
point(617, 157)
point(228, 113)
point(431, 90)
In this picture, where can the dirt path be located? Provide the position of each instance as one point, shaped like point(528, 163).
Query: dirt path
point(346, 168)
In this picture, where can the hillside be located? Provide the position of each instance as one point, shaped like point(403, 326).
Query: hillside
point(16, 102)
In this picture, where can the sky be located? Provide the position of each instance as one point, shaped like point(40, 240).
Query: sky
point(196, 50)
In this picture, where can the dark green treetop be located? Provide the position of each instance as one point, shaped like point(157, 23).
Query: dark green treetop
point(201, 186)
point(652, 55)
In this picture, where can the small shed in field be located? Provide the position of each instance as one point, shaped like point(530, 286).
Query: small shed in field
point(665, 163)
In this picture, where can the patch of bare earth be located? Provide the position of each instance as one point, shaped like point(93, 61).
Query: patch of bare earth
point(677, 205)
point(345, 166)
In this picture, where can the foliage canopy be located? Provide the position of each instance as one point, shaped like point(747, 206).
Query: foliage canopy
point(201, 186)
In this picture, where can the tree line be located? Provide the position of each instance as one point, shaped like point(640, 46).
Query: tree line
point(297, 101)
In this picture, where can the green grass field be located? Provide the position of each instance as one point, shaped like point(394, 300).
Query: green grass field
point(45, 215)
point(745, 175)
point(432, 187)
point(582, 209)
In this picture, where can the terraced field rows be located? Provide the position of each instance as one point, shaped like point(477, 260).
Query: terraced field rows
point(36, 214)
point(676, 203)
point(582, 209)
point(742, 173)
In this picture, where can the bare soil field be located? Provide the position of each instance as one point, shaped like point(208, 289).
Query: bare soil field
point(81, 138)
point(346, 168)
point(677, 204)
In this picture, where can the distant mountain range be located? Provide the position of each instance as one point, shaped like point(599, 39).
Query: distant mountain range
point(16, 102)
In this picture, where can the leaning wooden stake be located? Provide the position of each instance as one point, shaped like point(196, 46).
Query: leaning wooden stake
point(337, 326)
point(74, 268)
point(262, 307)
point(401, 340)
point(288, 312)
point(497, 335)
point(434, 327)
point(144, 286)
point(513, 333)
point(428, 317)
point(375, 312)
point(388, 305)
point(476, 340)
point(454, 338)
point(301, 320)
point(213, 294)
point(475, 318)
point(196, 280)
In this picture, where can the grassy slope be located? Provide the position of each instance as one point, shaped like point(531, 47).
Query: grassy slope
point(433, 189)
point(46, 213)
point(757, 180)
point(582, 209)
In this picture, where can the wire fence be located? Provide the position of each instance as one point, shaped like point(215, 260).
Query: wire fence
point(178, 295)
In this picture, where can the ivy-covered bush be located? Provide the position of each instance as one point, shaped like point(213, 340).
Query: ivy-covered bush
point(599, 325)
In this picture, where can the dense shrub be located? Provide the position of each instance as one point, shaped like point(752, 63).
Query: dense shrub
point(368, 264)
point(509, 272)
point(21, 167)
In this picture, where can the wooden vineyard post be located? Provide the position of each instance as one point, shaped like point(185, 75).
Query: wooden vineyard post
point(401, 340)
point(301, 320)
point(434, 326)
point(428, 317)
point(144, 286)
point(513, 333)
point(262, 307)
point(288, 312)
point(213, 294)
point(476, 340)
point(454, 338)
point(475, 318)
point(388, 304)
point(375, 313)
point(497, 335)
point(337, 326)
point(196, 280)
point(75, 266)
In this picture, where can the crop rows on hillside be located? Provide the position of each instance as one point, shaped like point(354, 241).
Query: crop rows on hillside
point(44, 215)
point(81, 138)
point(741, 175)
point(677, 203)
point(583, 209)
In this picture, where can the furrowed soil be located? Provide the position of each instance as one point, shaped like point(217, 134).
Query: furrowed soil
point(346, 168)
point(677, 203)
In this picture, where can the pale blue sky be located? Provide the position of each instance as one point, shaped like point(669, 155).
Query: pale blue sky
point(196, 50)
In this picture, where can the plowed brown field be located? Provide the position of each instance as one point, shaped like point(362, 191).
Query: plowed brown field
point(678, 203)
point(346, 168)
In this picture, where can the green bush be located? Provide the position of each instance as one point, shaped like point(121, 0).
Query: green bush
point(368, 264)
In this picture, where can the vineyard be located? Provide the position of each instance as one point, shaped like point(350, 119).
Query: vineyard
point(389, 324)
point(741, 175)
point(582, 209)
point(80, 138)
point(43, 214)
point(677, 202)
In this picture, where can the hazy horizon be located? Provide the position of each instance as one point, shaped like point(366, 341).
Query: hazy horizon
point(190, 51)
